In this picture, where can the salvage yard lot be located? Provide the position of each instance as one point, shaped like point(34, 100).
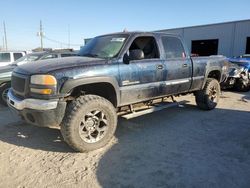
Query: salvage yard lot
point(177, 147)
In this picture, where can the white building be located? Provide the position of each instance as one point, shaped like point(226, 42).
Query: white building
point(229, 38)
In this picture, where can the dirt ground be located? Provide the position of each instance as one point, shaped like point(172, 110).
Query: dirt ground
point(177, 147)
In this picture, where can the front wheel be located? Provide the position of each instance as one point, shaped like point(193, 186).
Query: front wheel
point(89, 123)
point(208, 98)
point(3, 93)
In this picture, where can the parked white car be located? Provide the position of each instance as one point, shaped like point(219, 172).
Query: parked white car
point(8, 57)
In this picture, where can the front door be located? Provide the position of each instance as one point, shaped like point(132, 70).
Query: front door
point(142, 79)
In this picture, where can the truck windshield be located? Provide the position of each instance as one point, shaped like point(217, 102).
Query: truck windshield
point(107, 46)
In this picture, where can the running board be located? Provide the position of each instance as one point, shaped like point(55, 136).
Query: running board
point(154, 108)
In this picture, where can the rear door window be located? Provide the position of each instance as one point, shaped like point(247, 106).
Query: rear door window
point(4, 57)
point(17, 56)
point(173, 47)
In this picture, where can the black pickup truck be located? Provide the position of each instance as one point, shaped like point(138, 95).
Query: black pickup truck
point(113, 74)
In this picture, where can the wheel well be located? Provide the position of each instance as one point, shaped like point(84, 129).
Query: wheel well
point(105, 90)
point(4, 83)
point(215, 74)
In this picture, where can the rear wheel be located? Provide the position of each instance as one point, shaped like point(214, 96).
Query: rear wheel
point(208, 98)
point(89, 123)
point(3, 93)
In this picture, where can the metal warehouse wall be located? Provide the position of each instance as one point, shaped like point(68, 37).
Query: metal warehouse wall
point(232, 36)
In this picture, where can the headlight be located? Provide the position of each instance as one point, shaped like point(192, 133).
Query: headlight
point(43, 84)
point(43, 80)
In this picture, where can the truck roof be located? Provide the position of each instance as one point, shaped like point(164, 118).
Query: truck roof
point(141, 32)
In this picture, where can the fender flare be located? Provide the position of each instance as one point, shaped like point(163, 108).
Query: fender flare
point(70, 84)
point(215, 68)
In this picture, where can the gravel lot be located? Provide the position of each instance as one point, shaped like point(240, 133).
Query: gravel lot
point(176, 147)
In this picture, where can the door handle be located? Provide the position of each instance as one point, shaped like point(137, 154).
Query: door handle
point(159, 66)
point(185, 65)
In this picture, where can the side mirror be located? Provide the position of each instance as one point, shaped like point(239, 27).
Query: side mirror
point(133, 55)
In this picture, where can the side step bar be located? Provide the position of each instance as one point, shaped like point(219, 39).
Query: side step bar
point(153, 108)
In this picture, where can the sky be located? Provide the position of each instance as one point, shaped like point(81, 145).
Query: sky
point(79, 19)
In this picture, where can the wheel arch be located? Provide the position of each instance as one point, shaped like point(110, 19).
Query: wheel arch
point(106, 87)
point(214, 73)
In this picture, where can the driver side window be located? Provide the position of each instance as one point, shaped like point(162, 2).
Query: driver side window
point(147, 45)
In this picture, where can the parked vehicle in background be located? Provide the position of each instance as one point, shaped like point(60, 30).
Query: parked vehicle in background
point(6, 71)
point(6, 58)
point(239, 73)
point(5, 77)
point(45, 55)
point(112, 75)
point(29, 57)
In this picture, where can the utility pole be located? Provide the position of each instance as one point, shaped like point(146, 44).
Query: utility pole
point(41, 34)
point(3, 43)
point(68, 36)
point(5, 36)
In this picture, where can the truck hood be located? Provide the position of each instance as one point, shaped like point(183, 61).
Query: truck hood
point(49, 65)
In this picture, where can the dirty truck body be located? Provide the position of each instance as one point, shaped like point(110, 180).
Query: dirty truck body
point(84, 94)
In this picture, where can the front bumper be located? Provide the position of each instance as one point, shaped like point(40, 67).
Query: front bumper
point(35, 104)
point(45, 113)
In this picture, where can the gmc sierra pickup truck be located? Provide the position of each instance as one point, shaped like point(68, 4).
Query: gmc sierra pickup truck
point(112, 75)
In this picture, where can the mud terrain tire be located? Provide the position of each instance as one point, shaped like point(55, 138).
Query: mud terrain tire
point(208, 98)
point(89, 123)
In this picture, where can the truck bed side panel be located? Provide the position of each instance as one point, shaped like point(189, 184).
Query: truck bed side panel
point(202, 66)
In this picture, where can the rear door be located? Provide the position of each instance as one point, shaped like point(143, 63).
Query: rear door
point(178, 66)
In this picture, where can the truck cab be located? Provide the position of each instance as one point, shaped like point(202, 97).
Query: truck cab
point(162, 67)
